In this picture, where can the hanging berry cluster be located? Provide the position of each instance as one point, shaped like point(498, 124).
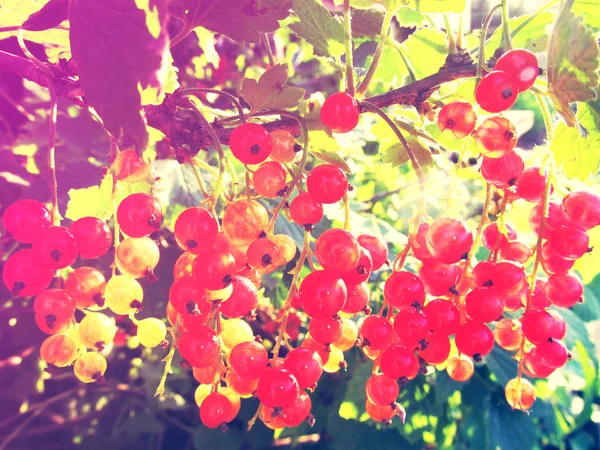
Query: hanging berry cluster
point(451, 298)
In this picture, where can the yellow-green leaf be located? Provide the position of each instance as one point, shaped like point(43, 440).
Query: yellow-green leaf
point(573, 62)
point(319, 28)
point(576, 149)
point(94, 201)
point(270, 91)
point(331, 157)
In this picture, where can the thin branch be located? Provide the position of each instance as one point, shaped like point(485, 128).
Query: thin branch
point(231, 98)
point(348, 43)
point(267, 45)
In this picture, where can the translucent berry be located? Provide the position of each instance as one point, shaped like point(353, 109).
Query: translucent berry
point(457, 118)
point(564, 290)
point(381, 389)
point(186, 295)
point(442, 316)
point(57, 247)
point(404, 290)
point(363, 269)
point(139, 215)
point(243, 299)
point(269, 179)
point(25, 220)
point(568, 242)
point(449, 240)
point(538, 325)
point(439, 278)
point(215, 270)
point(264, 255)
point(493, 238)
point(305, 210)
point(358, 298)
point(123, 294)
point(24, 274)
point(244, 220)
point(474, 339)
point(97, 330)
point(532, 184)
point(216, 410)
point(249, 360)
point(199, 346)
point(93, 237)
point(284, 147)
point(196, 230)
point(337, 250)
point(495, 137)
point(322, 294)
point(398, 362)
point(306, 365)
point(376, 332)
point(503, 172)
point(277, 387)
point(59, 350)
point(460, 368)
point(90, 367)
point(519, 394)
point(411, 326)
point(327, 183)
point(522, 64)
point(377, 248)
point(340, 112)
point(137, 257)
point(250, 143)
point(582, 208)
point(484, 304)
point(436, 349)
point(508, 334)
point(151, 332)
point(497, 91)
point(325, 330)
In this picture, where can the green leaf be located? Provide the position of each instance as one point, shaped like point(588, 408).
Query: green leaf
point(575, 149)
point(445, 387)
point(508, 429)
point(426, 6)
point(590, 309)
point(353, 435)
point(589, 10)
point(501, 364)
point(532, 35)
point(241, 20)
point(426, 51)
point(577, 334)
point(589, 368)
point(397, 156)
point(94, 201)
point(270, 91)
point(319, 28)
point(331, 157)
point(573, 62)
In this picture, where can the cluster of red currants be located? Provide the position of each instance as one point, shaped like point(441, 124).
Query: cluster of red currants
point(29, 272)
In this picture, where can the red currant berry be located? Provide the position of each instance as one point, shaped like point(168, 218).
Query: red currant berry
point(411, 326)
point(515, 251)
point(460, 368)
point(534, 364)
point(560, 326)
point(522, 64)
point(384, 413)
point(508, 334)
point(284, 147)
point(25, 219)
point(24, 274)
point(457, 118)
point(57, 247)
point(139, 215)
point(376, 332)
point(497, 91)
point(449, 240)
point(358, 298)
point(243, 221)
point(337, 250)
point(322, 294)
point(442, 316)
point(484, 304)
point(249, 360)
point(340, 112)
point(439, 278)
point(263, 255)
point(568, 242)
point(305, 210)
point(277, 387)
point(381, 389)
point(564, 290)
point(187, 295)
point(92, 236)
point(419, 248)
point(327, 183)
point(503, 172)
point(54, 305)
point(398, 362)
point(196, 230)
point(243, 298)
point(583, 208)
point(325, 330)
point(269, 179)
point(538, 325)
point(199, 346)
point(377, 248)
point(556, 218)
point(436, 349)
point(298, 412)
point(362, 271)
point(492, 238)
point(86, 286)
point(216, 410)
point(495, 137)
point(532, 184)
point(306, 365)
point(474, 339)
point(508, 277)
point(404, 290)
point(250, 143)
point(215, 270)
point(552, 353)
point(482, 273)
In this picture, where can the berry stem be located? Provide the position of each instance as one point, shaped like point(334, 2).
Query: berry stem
point(385, 29)
point(533, 274)
point(546, 114)
point(219, 149)
point(348, 42)
point(484, 29)
point(168, 360)
point(451, 40)
point(506, 40)
point(227, 95)
point(346, 212)
point(204, 165)
point(300, 173)
point(501, 227)
point(288, 301)
point(267, 44)
point(51, 126)
point(199, 179)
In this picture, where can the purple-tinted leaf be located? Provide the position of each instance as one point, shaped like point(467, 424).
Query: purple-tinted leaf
point(116, 53)
point(241, 20)
point(52, 14)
